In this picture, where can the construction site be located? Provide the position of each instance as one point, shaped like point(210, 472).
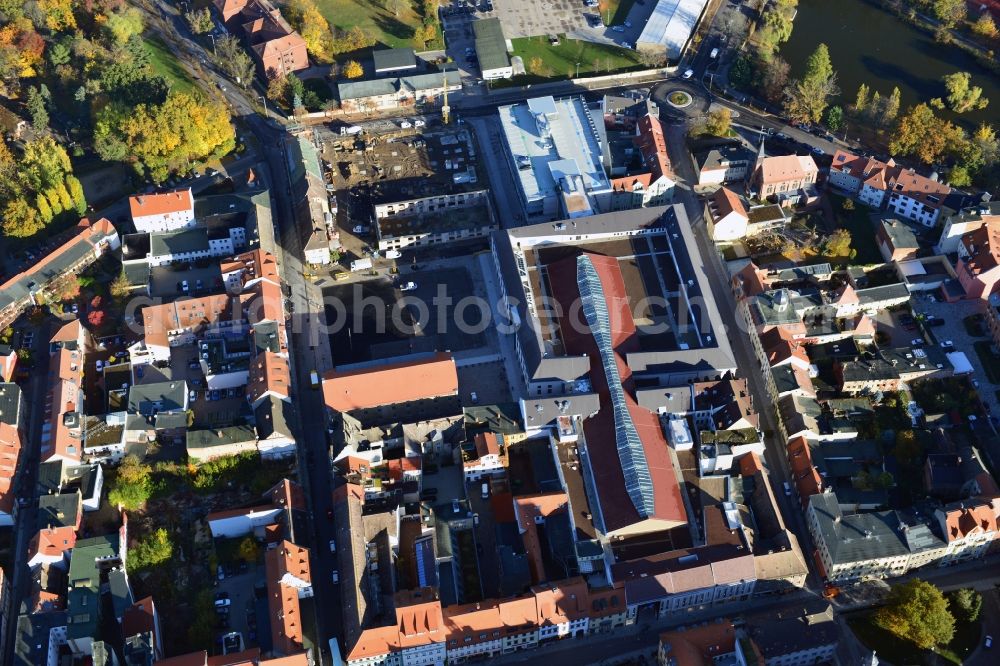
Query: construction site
point(404, 164)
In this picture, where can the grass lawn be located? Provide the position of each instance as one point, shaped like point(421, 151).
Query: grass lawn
point(862, 230)
point(990, 361)
point(165, 63)
point(377, 18)
point(905, 652)
point(560, 62)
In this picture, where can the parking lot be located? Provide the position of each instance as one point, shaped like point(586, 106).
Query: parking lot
point(377, 319)
point(239, 615)
point(954, 330)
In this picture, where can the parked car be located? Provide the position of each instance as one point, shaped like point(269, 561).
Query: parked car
point(988, 642)
point(409, 286)
point(405, 124)
point(419, 123)
point(917, 342)
point(714, 54)
point(360, 228)
point(788, 490)
point(618, 28)
point(688, 73)
point(333, 545)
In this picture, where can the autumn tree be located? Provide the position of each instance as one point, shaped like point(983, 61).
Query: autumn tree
point(162, 138)
point(248, 550)
point(806, 99)
point(427, 33)
point(20, 220)
point(54, 201)
point(58, 14)
point(985, 26)
point(838, 244)
point(199, 20)
point(949, 12)
point(354, 39)
point(907, 449)
point(75, 189)
point(44, 163)
point(43, 208)
point(120, 287)
point(719, 122)
point(234, 61)
point(151, 551)
point(314, 28)
point(917, 611)
point(923, 135)
point(131, 485)
point(773, 77)
point(353, 70)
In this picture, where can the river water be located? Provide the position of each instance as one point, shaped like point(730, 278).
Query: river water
point(870, 45)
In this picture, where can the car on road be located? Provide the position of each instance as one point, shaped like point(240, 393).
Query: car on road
point(788, 490)
point(917, 342)
point(781, 135)
point(333, 545)
point(975, 383)
point(409, 286)
point(628, 24)
point(618, 28)
point(336, 577)
point(947, 345)
point(688, 73)
point(714, 54)
point(818, 150)
point(360, 228)
point(988, 642)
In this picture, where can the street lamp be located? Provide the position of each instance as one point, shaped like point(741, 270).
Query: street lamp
point(577, 70)
point(263, 100)
point(212, 37)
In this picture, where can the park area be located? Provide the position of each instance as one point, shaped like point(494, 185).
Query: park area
point(166, 65)
point(393, 23)
point(569, 58)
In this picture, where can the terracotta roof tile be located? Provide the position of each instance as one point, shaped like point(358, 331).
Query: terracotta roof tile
point(163, 203)
point(390, 383)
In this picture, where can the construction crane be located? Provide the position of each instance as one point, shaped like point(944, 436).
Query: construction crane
point(445, 109)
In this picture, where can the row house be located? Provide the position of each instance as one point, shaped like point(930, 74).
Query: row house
point(289, 580)
point(969, 528)
point(85, 243)
point(887, 185)
point(427, 633)
point(965, 221)
point(11, 434)
point(978, 265)
point(395, 93)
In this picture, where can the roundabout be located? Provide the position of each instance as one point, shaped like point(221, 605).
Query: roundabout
point(679, 99)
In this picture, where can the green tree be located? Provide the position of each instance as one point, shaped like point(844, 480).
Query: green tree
point(861, 99)
point(124, 25)
point(719, 122)
point(312, 25)
point(806, 99)
point(916, 611)
point(890, 109)
point(962, 96)
point(234, 61)
point(965, 604)
point(151, 551)
point(21, 220)
point(76, 194)
point(835, 118)
point(199, 20)
point(133, 484)
point(59, 53)
point(44, 210)
point(36, 106)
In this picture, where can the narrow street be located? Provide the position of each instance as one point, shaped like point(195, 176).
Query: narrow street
point(746, 360)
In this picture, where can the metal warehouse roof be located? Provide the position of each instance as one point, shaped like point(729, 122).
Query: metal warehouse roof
point(671, 24)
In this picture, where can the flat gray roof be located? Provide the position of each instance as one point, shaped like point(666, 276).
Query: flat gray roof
point(390, 60)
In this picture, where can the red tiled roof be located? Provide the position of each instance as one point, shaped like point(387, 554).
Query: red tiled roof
point(391, 383)
point(283, 598)
point(701, 645)
point(163, 203)
point(139, 618)
point(617, 507)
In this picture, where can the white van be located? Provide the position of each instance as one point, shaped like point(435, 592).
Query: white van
point(393, 254)
point(486, 490)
